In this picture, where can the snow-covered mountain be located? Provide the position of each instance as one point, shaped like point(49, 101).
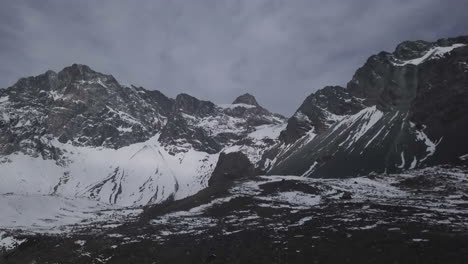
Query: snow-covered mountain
point(79, 133)
point(92, 171)
point(402, 110)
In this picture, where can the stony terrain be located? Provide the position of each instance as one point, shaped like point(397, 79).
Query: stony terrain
point(417, 217)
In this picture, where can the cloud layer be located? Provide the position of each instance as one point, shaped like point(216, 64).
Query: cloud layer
point(278, 50)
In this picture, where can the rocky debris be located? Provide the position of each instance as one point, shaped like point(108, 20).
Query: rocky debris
point(346, 196)
point(282, 219)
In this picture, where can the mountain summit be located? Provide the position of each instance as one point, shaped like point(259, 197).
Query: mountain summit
point(247, 99)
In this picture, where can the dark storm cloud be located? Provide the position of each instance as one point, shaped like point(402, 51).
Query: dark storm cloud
point(279, 50)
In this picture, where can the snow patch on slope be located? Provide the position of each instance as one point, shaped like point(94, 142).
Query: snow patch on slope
point(433, 53)
point(260, 141)
point(8, 242)
point(301, 117)
point(309, 171)
point(430, 145)
point(365, 120)
point(54, 214)
point(268, 131)
point(4, 99)
point(293, 199)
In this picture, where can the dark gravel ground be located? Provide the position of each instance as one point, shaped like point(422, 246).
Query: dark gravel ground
point(427, 223)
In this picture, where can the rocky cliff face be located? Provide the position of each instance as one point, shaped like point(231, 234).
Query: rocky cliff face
point(319, 111)
point(401, 110)
point(80, 106)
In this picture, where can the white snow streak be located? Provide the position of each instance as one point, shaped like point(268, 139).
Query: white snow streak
point(312, 167)
point(433, 53)
point(430, 145)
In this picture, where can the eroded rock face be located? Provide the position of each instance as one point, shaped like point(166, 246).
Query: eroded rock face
point(401, 110)
point(230, 167)
point(210, 128)
point(187, 104)
point(319, 111)
point(80, 106)
point(381, 83)
point(85, 108)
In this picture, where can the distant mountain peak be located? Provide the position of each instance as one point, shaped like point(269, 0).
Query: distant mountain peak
point(82, 72)
point(78, 68)
point(246, 99)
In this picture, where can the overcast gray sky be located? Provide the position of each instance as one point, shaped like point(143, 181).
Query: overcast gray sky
point(278, 50)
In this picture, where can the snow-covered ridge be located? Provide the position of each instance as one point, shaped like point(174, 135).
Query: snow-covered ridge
point(139, 174)
point(431, 54)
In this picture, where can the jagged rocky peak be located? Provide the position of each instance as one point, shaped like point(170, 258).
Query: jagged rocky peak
point(391, 80)
point(246, 106)
point(207, 127)
point(80, 72)
point(67, 81)
point(408, 50)
point(247, 99)
point(402, 110)
point(190, 105)
point(78, 69)
point(81, 106)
